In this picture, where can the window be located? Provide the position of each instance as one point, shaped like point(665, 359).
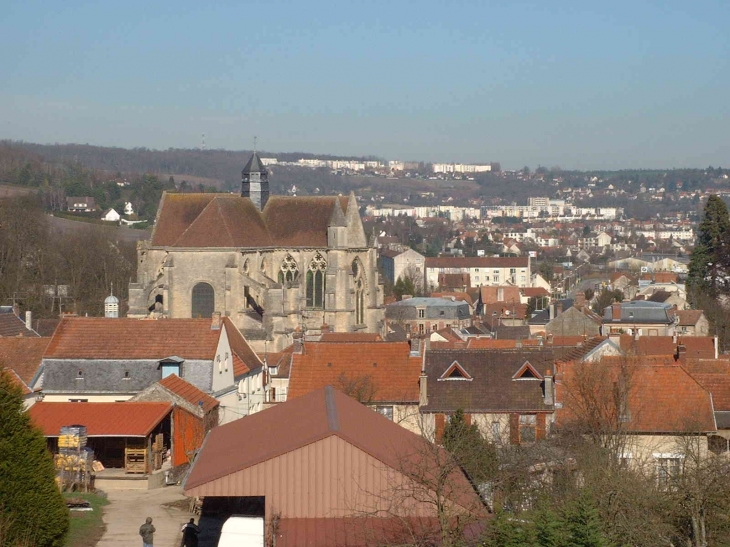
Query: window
point(421, 313)
point(316, 282)
point(359, 286)
point(528, 422)
point(289, 270)
point(496, 431)
point(78, 400)
point(203, 301)
point(421, 328)
point(668, 468)
point(386, 411)
point(80, 375)
point(126, 375)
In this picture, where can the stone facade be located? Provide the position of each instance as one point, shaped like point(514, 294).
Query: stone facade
point(301, 263)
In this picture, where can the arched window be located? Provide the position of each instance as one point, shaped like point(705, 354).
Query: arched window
point(359, 285)
point(316, 282)
point(203, 300)
point(289, 270)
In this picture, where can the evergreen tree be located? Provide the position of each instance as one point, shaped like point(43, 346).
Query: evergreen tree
point(710, 262)
point(32, 510)
point(549, 528)
point(508, 531)
point(474, 454)
point(583, 525)
point(404, 285)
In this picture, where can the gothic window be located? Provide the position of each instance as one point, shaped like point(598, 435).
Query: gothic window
point(289, 270)
point(359, 283)
point(203, 300)
point(316, 282)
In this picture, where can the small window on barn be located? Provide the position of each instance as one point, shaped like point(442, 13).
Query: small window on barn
point(80, 375)
point(126, 375)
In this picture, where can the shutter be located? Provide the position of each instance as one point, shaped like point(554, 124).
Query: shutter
point(541, 429)
point(514, 429)
point(467, 419)
point(440, 423)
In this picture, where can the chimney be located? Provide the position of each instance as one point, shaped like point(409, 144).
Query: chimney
point(325, 328)
point(616, 311)
point(298, 341)
point(681, 352)
point(549, 396)
point(558, 308)
point(674, 337)
point(580, 300)
point(423, 390)
point(715, 340)
point(215, 323)
point(551, 307)
point(29, 320)
point(16, 309)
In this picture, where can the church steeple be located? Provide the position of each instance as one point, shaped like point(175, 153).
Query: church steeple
point(255, 182)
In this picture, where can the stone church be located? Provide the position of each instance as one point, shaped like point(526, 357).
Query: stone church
point(275, 265)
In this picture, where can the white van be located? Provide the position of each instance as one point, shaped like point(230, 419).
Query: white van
point(242, 531)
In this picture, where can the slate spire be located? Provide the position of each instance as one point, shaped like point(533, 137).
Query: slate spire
point(255, 182)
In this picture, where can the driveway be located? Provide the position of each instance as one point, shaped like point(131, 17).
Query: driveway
point(128, 509)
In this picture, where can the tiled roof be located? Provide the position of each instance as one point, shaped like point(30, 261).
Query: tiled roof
point(476, 262)
point(14, 378)
point(128, 419)
point(534, 291)
point(492, 388)
point(104, 338)
point(719, 386)
point(244, 358)
point(384, 369)
point(302, 421)
point(12, 325)
point(508, 294)
point(688, 318)
point(350, 337)
point(300, 221)
point(638, 311)
point(662, 398)
point(23, 355)
point(696, 347)
point(461, 296)
point(707, 366)
point(189, 392)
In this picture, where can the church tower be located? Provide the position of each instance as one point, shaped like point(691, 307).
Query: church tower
point(255, 182)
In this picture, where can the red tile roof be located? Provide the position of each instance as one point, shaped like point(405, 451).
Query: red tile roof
point(688, 318)
point(15, 379)
point(534, 291)
point(662, 398)
point(388, 370)
point(174, 384)
point(23, 355)
point(12, 325)
point(128, 419)
point(460, 296)
point(350, 337)
point(719, 386)
point(103, 338)
point(508, 294)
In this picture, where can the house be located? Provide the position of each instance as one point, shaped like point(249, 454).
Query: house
point(22, 356)
point(639, 318)
point(122, 435)
point(81, 204)
point(481, 270)
point(652, 406)
point(324, 470)
point(110, 215)
point(567, 317)
point(692, 323)
point(194, 413)
point(422, 315)
point(100, 359)
point(381, 375)
point(506, 393)
point(396, 264)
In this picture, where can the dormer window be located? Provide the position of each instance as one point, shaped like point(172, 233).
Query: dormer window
point(171, 365)
point(527, 372)
point(456, 372)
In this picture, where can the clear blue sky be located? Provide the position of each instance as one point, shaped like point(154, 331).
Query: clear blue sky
point(577, 84)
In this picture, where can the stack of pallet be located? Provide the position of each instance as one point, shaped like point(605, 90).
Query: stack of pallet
point(74, 460)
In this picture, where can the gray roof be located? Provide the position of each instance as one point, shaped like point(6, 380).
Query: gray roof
point(255, 165)
point(436, 308)
point(640, 311)
point(543, 316)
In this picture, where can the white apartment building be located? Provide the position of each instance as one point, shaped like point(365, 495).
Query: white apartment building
point(461, 168)
point(482, 271)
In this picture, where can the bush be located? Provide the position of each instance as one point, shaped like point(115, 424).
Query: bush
point(32, 510)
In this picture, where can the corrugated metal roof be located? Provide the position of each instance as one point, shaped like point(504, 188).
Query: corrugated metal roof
point(128, 419)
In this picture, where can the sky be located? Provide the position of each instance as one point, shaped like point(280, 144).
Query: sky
point(580, 85)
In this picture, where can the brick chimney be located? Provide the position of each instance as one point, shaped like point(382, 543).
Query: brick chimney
point(298, 341)
point(616, 311)
point(215, 323)
point(325, 328)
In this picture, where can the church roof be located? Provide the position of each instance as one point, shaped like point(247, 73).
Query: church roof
point(229, 220)
point(254, 165)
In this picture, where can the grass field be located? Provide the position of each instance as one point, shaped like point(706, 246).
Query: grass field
point(86, 527)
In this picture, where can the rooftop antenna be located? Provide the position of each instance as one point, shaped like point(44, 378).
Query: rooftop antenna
point(202, 146)
point(254, 143)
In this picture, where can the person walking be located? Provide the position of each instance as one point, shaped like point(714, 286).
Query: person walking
point(190, 534)
point(147, 531)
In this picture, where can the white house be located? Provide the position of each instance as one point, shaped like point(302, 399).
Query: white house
point(110, 215)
